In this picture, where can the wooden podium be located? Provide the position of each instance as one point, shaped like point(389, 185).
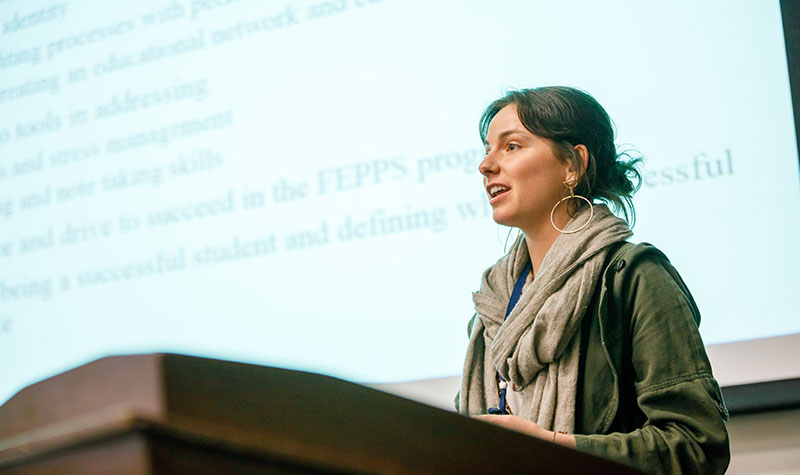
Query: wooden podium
point(166, 413)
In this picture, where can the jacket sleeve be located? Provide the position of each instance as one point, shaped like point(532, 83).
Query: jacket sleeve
point(684, 430)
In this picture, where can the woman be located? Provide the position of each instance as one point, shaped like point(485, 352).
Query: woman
point(580, 337)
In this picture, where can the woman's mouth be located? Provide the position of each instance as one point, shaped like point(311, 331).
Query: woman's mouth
point(496, 192)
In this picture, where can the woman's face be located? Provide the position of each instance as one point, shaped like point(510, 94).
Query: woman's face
point(523, 178)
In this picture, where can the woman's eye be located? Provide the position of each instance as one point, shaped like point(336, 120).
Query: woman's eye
point(512, 146)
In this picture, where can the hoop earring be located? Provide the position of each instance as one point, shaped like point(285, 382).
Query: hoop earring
point(571, 195)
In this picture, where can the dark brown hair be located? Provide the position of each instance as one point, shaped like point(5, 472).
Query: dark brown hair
point(569, 117)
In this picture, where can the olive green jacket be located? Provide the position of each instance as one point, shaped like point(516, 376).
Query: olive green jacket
point(646, 394)
point(645, 387)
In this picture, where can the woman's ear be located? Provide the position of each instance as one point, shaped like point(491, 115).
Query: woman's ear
point(578, 167)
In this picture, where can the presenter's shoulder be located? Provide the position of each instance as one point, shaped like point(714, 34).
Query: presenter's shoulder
point(629, 253)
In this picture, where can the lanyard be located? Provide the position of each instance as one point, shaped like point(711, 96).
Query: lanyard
point(512, 302)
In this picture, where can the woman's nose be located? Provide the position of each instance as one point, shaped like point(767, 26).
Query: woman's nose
point(488, 165)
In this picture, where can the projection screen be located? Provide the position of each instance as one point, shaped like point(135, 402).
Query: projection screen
point(294, 183)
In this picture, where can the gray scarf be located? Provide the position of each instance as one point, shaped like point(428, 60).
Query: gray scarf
point(537, 347)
